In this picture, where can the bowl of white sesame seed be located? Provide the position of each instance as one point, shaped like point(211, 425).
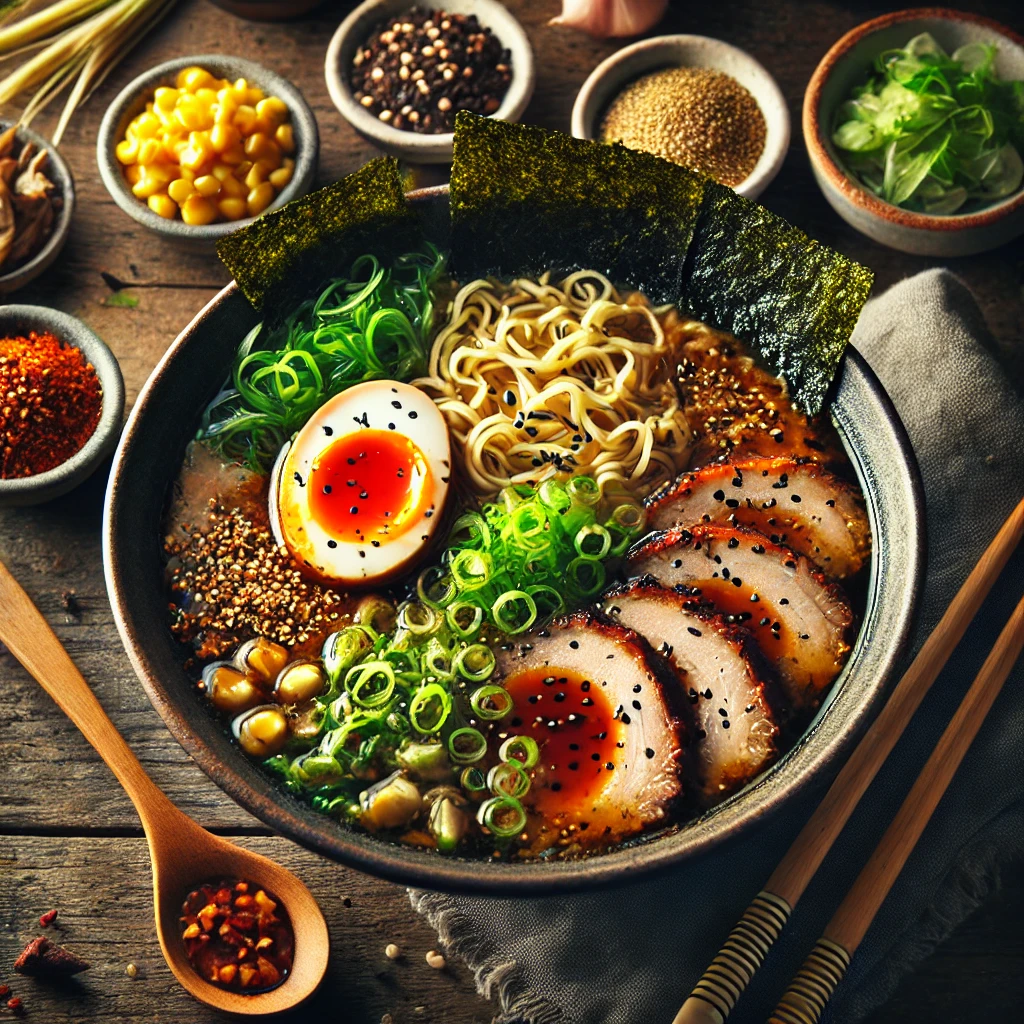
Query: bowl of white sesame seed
point(694, 100)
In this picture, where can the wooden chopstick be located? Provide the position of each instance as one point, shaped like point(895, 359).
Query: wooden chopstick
point(743, 952)
point(813, 985)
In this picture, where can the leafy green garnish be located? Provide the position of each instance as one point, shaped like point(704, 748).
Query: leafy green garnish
point(931, 132)
point(373, 324)
point(121, 300)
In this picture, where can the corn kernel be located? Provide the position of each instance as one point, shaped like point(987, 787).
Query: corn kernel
point(234, 188)
point(180, 189)
point(151, 151)
point(224, 136)
point(233, 208)
point(233, 156)
point(285, 138)
point(194, 78)
point(243, 169)
point(260, 198)
point(256, 176)
point(262, 147)
point(165, 98)
point(163, 206)
point(198, 151)
point(220, 171)
point(207, 185)
point(282, 175)
point(206, 96)
point(198, 210)
point(146, 125)
point(245, 119)
point(127, 151)
point(149, 184)
point(272, 110)
point(240, 92)
point(133, 173)
point(254, 95)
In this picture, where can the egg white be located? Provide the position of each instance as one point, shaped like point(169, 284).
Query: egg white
point(384, 405)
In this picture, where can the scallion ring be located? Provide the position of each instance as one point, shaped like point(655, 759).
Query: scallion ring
point(514, 611)
point(586, 575)
point(473, 780)
point(502, 816)
point(470, 570)
point(466, 745)
point(592, 541)
point(523, 749)
point(491, 703)
point(417, 618)
point(584, 490)
point(465, 619)
point(475, 663)
point(430, 708)
point(508, 779)
point(370, 684)
point(436, 588)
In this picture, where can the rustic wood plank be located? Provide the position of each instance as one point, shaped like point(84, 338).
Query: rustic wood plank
point(101, 889)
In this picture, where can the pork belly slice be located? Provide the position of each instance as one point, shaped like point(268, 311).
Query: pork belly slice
point(800, 505)
point(735, 732)
point(590, 693)
point(800, 621)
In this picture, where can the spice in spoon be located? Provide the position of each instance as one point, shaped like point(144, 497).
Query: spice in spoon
point(50, 404)
point(237, 936)
point(698, 117)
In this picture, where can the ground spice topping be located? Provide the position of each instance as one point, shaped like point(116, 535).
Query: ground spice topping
point(50, 404)
point(236, 583)
point(417, 71)
point(697, 117)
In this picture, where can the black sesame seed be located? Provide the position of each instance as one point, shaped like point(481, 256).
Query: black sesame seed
point(395, 404)
point(637, 688)
point(719, 495)
point(555, 787)
point(391, 426)
point(693, 631)
point(327, 488)
point(637, 706)
point(574, 766)
point(574, 644)
point(609, 765)
point(332, 543)
point(595, 757)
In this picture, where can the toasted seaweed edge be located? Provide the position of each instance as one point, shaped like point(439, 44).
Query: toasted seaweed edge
point(526, 200)
point(289, 254)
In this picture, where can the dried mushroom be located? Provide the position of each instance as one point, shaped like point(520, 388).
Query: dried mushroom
point(28, 200)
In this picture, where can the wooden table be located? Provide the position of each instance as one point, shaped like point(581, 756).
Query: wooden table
point(70, 839)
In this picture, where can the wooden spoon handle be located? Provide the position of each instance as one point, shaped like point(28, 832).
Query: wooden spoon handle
point(28, 636)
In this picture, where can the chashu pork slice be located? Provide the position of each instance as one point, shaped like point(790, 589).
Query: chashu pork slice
point(800, 505)
point(611, 747)
point(799, 619)
point(735, 732)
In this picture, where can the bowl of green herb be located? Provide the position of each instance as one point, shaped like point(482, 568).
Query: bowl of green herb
point(914, 123)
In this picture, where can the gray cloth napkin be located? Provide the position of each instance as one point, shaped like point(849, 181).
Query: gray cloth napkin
point(633, 953)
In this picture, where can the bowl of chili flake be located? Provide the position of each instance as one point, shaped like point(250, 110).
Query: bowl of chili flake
point(61, 403)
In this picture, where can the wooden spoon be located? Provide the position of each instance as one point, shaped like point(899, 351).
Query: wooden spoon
point(183, 854)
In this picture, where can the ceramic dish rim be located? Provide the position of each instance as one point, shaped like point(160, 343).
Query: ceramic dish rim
point(820, 149)
point(307, 150)
point(415, 867)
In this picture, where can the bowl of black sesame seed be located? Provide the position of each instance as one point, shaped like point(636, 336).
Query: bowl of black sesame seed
point(694, 100)
point(399, 73)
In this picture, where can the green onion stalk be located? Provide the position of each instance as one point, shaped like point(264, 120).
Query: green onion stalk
point(373, 324)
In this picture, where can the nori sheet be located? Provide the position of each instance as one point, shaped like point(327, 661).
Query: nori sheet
point(756, 276)
point(525, 200)
point(289, 254)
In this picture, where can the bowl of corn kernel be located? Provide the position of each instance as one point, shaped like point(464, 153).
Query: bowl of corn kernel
point(198, 146)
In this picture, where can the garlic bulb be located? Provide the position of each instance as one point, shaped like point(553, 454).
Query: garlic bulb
point(609, 18)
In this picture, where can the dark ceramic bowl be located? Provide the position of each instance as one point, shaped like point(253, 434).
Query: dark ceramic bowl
point(17, 321)
point(132, 100)
point(60, 174)
point(148, 460)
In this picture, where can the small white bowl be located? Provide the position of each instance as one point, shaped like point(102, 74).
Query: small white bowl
point(421, 147)
point(845, 65)
point(609, 78)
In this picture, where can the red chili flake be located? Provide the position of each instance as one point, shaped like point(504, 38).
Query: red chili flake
point(47, 919)
point(14, 1003)
point(5, 990)
point(50, 403)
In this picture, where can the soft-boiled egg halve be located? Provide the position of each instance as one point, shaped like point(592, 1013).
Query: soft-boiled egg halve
point(358, 493)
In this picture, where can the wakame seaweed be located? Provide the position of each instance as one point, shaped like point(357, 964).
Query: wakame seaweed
point(525, 200)
point(288, 255)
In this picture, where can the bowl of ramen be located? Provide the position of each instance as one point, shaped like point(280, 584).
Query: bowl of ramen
point(514, 584)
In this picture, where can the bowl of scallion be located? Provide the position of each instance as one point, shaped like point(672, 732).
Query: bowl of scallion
point(914, 124)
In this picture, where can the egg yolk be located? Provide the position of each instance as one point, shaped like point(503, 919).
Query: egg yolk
point(370, 487)
point(576, 731)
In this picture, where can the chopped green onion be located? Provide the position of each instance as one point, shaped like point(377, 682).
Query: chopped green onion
point(435, 588)
point(587, 575)
point(491, 703)
point(508, 779)
point(592, 541)
point(429, 708)
point(344, 648)
point(418, 618)
point(466, 745)
point(465, 619)
point(473, 780)
point(370, 684)
point(470, 569)
point(502, 816)
point(514, 611)
point(475, 663)
point(520, 748)
point(584, 489)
